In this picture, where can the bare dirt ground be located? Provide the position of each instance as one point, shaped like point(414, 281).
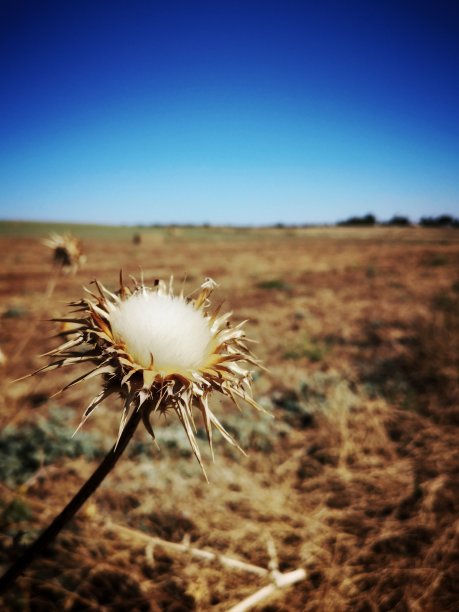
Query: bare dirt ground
point(354, 477)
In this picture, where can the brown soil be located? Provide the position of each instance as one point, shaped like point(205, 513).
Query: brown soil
point(355, 479)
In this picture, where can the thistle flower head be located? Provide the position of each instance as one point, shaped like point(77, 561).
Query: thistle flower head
point(67, 251)
point(160, 352)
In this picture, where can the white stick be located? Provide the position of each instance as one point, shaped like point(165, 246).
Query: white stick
point(194, 552)
point(282, 580)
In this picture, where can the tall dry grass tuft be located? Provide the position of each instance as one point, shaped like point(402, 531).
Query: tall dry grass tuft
point(434, 361)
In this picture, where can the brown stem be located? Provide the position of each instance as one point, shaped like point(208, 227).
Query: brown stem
point(42, 304)
point(21, 564)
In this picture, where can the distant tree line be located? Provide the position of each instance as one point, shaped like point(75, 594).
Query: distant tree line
point(367, 220)
point(440, 221)
point(401, 221)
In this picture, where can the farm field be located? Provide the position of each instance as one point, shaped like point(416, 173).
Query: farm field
point(353, 475)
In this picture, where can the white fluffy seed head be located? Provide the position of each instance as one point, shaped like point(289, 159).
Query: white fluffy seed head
point(165, 327)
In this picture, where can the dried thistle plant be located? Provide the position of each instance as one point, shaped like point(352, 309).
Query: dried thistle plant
point(67, 257)
point(68, 252)
point(160, 352)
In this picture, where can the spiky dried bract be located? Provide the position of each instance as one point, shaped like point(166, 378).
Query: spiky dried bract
point(67, 251)
point(143, 372)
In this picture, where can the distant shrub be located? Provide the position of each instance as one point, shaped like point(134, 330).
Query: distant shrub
point(435, 260)
point(368, 219)
point(274, 283)
point(314, 350)
point(370, 271)
point(399, 220)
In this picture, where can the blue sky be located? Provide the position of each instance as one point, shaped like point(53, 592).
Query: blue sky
point(228, 112)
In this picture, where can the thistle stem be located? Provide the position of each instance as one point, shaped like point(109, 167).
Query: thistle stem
point(39, 313)
point(50, 533)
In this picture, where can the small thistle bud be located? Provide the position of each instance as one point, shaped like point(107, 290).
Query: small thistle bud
point(160, 352)
point(67, 252)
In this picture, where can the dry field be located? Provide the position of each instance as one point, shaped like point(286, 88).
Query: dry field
point(354, 477)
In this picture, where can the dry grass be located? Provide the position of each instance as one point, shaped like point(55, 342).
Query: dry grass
point(355, 479)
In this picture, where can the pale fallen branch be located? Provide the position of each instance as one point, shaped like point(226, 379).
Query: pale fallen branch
point(198, 553)
point(282, 580)
point(278, 579)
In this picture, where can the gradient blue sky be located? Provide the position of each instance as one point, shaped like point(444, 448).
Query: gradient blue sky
point(228, 112)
